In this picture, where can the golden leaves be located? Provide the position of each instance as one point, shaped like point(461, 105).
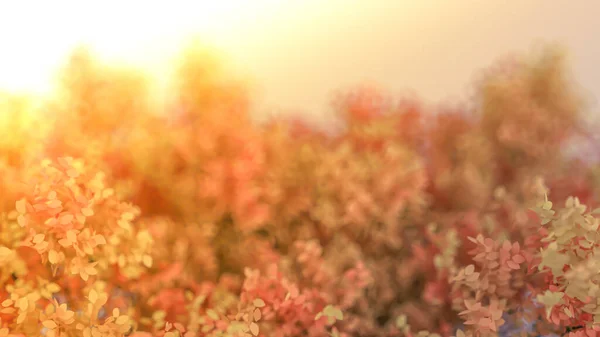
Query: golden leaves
point(82, 228)
point(49, 324)
point(55, 257)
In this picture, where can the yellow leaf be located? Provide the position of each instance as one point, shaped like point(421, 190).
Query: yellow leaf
point(257, 315)
point(50, 324)
point(53, 287)
point(159, 315)
point(23, 303)
point(5, 252)
point(73, 173)
point(100, 240)
point(21, 318)
point(21, 206)
point(38, 238)
point(93, 296)
point(54, 203)
point(66, 219)
point(53, 256)
point(22, 220)
point(147, 260)
point(87, 211)
point(72, 236)
point(90, 270)
point(122, 320)
point(121, 261)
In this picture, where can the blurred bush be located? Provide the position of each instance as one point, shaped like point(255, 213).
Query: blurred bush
point(191, 219)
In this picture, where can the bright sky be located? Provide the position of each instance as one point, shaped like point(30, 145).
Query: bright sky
point(37, 35)
point(299, 52)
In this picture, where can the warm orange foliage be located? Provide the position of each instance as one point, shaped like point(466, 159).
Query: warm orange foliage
point(121, 217)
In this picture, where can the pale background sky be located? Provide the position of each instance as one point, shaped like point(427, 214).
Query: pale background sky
point(299, 52)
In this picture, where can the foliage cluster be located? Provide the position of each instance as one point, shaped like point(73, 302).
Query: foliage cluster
point(125, 217)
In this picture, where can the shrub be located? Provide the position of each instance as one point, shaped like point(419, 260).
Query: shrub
point(122, 216)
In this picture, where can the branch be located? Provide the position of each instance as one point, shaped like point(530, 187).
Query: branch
point(571, 329)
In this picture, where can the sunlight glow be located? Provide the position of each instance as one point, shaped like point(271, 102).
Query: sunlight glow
point(37, 36)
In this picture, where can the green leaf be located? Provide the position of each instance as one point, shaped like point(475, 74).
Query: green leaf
point(401, 321)
point(334, 312)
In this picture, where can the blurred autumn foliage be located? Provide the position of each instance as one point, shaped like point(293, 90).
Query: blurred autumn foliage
point(125, 217)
